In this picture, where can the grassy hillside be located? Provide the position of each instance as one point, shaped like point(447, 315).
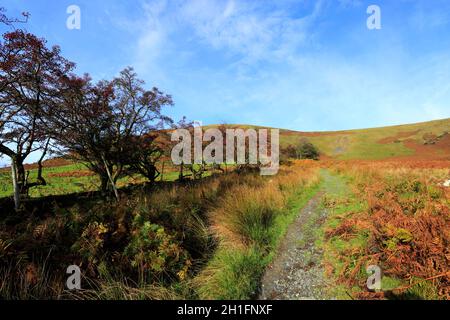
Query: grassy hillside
point(426, 140)
point(215, 238)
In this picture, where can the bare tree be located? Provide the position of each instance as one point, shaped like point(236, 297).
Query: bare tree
point(11, 21)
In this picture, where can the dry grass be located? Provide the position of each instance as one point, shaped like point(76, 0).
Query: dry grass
point(408, 223)
point(248, 222)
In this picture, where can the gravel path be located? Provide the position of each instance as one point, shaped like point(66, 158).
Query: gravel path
point(296, 273)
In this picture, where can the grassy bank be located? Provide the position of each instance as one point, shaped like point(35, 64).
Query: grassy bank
point(213, 238)
point(149, 239)
point(155, 244)
point(249, 225)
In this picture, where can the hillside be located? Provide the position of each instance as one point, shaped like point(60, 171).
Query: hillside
point(426, 140)
point(419, 141)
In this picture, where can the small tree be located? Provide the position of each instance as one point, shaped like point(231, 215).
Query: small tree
point(287, 153)
point(104, 125)
point(138, 117)
point(28, 73)
point(306, 150)
point(81, 124)
point(147, 152)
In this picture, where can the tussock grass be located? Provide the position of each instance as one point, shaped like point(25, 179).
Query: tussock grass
point(249, 223)
point(232, 274)
point(30, 281)
point(158, 244)
point(118, 286)
point(248, 213)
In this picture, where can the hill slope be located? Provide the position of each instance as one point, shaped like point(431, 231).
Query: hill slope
point(426, 140)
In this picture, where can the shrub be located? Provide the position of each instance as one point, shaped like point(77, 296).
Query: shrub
point(153, 251)
point(307, 150)
point(304, 150)
point(90, 244)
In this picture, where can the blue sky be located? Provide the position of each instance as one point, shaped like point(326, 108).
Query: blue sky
point(303, 65)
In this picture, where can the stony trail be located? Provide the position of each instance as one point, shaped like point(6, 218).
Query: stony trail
point(296, 273)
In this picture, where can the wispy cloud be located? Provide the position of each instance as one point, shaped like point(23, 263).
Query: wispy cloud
point(299, 64)
point(258, 61)
point(246, 31)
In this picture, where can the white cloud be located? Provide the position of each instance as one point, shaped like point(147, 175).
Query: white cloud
point(242, 28)
point(246, 29)
point(265, 68)
point(229, 9)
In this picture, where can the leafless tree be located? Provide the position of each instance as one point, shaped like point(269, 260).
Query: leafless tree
point(11, 21)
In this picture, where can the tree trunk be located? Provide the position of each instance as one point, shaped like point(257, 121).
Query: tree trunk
point(111, 180)
point(152, 173)
point(15, 185)
point(21, 176)
point(40, 181)
point(181, 175)
point(104, 182)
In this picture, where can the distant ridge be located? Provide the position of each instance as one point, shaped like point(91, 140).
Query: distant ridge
point(428, 140)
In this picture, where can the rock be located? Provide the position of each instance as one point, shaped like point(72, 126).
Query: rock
point(446, 183)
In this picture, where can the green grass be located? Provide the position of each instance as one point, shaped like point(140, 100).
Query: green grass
point(364, 143)
point(56, 184)
point(236, 273)
point(340, 203)
point(65, 180)
point(351, 144)
point(424, 290)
